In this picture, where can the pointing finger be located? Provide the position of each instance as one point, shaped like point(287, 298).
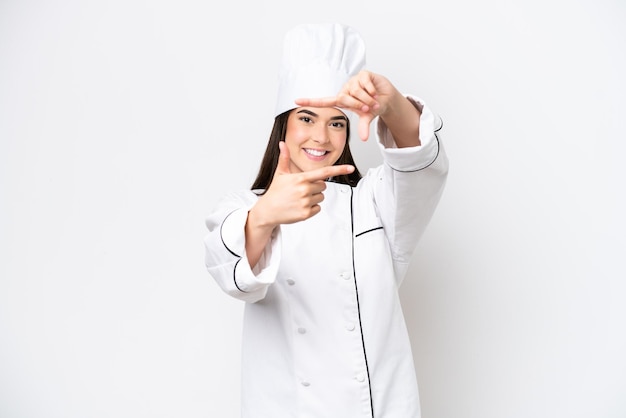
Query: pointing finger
point(326, 172)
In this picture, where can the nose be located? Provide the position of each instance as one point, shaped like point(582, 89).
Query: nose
point(320, 135)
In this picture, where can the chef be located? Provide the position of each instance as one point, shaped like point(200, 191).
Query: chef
point(316, 250)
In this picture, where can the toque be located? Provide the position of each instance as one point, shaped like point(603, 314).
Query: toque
point(317, 60)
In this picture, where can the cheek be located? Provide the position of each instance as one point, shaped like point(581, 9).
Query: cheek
point(339, 142)
point(294, 135)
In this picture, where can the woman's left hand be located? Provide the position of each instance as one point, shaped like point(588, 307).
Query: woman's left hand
point(367, 94)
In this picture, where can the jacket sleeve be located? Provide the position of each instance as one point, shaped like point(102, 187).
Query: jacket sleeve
point(408, 185)
point(225, 250)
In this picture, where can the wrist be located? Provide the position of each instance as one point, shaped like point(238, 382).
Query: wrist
point(403, 121)
point(258, 221)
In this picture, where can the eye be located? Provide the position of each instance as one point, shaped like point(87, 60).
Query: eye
point(306, 119)
point(338, 124)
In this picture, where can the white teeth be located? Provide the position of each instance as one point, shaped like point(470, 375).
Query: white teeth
point(314, 152)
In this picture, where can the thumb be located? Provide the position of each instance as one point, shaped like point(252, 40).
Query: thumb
point(364, 126)
point(284, 159)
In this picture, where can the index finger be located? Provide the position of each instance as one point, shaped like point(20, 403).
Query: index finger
point(342, 102)
point(318, 102)
point(326, 172)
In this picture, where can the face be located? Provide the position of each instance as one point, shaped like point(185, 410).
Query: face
point(315, 137)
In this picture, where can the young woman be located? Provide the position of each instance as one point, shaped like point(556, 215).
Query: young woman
point(317, 251)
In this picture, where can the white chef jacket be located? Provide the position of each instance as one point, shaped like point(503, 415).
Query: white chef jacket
point(323, 333)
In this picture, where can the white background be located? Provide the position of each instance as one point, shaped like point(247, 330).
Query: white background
point(123, 121)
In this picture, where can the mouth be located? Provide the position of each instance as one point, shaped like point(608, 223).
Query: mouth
point(315, 153)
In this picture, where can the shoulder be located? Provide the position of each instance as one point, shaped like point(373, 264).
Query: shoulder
point(239, 198)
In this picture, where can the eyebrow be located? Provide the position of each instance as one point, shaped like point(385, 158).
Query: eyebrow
point(309, 112)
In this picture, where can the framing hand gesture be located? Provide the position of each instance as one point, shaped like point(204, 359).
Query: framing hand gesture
point(367, 94)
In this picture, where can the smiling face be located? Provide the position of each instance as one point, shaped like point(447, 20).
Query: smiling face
point(315, 137)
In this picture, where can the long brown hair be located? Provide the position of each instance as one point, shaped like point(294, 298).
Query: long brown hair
point(270, 158)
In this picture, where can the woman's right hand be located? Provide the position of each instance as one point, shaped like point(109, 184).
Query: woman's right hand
point(290, 198)
point(294, 197)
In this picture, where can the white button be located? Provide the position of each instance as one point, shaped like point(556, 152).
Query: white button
point(350, 327)
point(345, 275)
point(360, 377)
point(305, 383)
point(302, 330)
point(290, 282)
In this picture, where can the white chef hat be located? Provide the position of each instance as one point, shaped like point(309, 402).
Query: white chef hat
point(318, 59)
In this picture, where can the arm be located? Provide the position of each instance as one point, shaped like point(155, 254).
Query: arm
point(409, 184)
point(226, 258)
point(402, 118)
point(258, 235)
point(407, 187)
point(242, 248)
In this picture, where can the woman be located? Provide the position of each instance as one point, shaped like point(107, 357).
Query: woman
point(316, 251)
